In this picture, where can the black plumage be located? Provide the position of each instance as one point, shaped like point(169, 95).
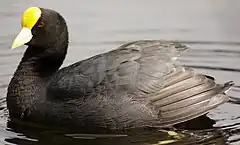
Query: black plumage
point(136, 85)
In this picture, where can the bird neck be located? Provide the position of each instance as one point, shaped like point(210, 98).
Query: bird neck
point(26, 88)
point(41, 62)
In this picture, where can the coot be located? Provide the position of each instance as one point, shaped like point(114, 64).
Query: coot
point(137, 85)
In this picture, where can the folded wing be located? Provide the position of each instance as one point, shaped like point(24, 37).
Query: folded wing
point(144, 71)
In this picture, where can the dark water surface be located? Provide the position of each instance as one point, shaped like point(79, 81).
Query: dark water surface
point(210, 27)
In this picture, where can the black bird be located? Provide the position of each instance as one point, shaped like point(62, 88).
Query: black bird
point(137, 85)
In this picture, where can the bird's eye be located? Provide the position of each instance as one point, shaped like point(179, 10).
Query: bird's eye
point(40, 25)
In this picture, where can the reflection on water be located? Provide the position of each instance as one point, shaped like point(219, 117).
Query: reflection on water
point(33, 133)
point(209, 27)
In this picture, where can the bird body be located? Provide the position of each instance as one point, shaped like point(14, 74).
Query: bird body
point(135, 85)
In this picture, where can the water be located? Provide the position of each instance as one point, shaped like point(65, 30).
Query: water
point(210, 27)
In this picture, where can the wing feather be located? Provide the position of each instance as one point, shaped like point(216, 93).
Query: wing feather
point(142, 81)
